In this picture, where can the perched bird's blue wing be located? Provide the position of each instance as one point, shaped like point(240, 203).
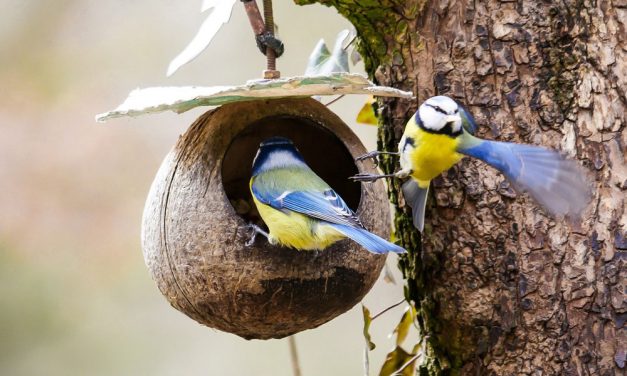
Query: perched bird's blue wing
point(330, 207)
point(327, 206)
point(556, 183)
point(416, 197)
point(264, 194)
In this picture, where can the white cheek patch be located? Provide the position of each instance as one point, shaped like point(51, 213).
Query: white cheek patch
point(427, 114)
point(431, 119)
point(457, 126)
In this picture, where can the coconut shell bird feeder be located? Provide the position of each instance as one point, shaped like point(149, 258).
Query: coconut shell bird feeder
point(195, 222)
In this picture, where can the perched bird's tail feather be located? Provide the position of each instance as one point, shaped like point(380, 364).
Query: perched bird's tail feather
point(416, 197)
point(368, 240)
point(556, 183)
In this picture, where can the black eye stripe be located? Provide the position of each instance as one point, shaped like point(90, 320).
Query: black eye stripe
point(446, 129)
point(437, 108)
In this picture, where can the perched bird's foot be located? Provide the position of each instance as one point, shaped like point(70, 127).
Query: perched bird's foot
point(369, 178)
point(255, 231)
point(374, 155)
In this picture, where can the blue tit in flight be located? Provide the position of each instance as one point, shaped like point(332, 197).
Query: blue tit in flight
point(299, 208)
point(440, 134)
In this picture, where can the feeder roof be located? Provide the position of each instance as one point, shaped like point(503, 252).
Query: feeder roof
point(183, 98)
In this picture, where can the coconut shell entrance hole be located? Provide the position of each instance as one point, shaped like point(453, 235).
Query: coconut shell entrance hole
point(322, 151)
point(193, 237)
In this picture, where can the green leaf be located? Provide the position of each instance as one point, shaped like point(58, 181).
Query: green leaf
point(367, 321)
point(351, 47)
point(323, 62)
point(403, 326)
point(220, 15)
point(396, 359)
point(318, 56)
point(355, 56)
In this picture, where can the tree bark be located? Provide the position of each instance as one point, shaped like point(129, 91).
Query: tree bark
point(500, 287)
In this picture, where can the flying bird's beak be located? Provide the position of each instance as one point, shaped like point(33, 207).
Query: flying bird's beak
point(453, 118)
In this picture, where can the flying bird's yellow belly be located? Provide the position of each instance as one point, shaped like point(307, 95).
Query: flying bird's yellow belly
point(297, 230)
point(433, 154)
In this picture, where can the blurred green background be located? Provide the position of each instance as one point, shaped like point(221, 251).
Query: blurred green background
point(76, 296)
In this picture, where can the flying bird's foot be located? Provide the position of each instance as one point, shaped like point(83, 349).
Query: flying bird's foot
point(369, 178)
point(402, 174)
point(371, 155)
point(374, 155)
point(255, 231)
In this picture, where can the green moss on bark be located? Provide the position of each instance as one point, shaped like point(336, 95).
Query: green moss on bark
point(562, 55)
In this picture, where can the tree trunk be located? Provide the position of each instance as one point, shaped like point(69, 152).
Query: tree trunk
point(501, 288)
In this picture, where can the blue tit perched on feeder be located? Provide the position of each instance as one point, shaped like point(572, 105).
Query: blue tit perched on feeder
point(440, 134)
point(299, 208)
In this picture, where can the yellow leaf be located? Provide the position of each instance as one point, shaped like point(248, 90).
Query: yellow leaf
point(403, 326)
point(396, 359)
point(367, 115)
point(367, 321)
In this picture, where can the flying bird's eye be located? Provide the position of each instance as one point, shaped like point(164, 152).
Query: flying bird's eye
point(437, 108)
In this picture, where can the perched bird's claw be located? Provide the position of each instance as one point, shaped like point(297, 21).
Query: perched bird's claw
point(255, 230)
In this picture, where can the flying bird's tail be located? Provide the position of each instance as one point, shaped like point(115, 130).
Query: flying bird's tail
point(368, 240)
point(556, 183)
point(416, 197)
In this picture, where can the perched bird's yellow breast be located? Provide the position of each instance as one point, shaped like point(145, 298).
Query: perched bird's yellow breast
point(297, 230)
point(431, 154)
